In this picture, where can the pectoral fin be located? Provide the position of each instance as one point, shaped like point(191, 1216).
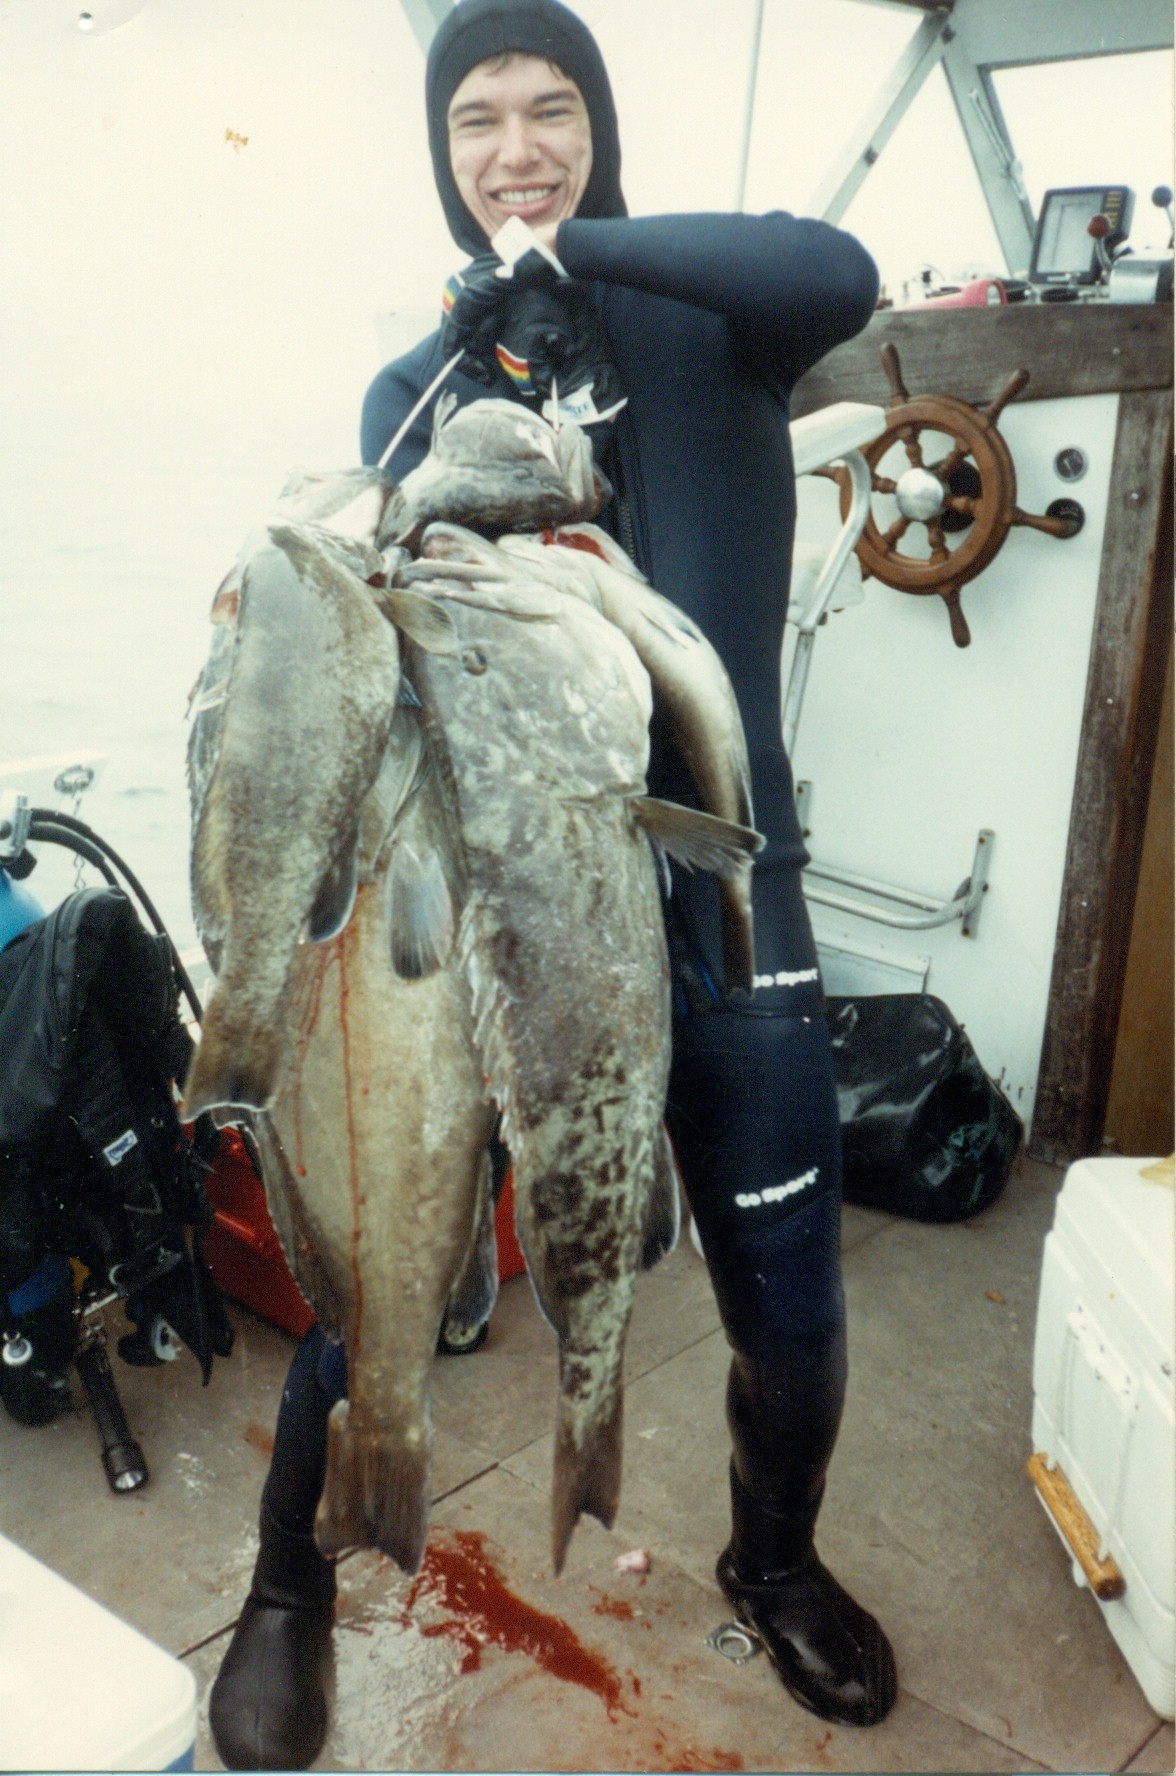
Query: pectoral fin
point(703, 841)
point(472, 1298)
point(336, 896)
point(663, 1211)
point(422, 918)
point(697, 840)
point(422, 619)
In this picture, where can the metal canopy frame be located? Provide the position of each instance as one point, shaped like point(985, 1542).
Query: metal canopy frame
point(424, 16)
point(972, 38)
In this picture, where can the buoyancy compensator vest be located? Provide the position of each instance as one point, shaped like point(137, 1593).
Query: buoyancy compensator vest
point(94, 1162)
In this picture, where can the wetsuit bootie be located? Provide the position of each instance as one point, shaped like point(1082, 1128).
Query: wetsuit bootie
point(831, 1655)
point(268, 1707)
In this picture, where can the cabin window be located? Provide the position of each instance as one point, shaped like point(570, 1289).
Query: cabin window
point(922, 207)
point(679, 71)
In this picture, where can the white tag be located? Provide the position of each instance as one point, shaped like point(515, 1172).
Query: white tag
point(119, 1148)
point(581, 408)
point(515, 238)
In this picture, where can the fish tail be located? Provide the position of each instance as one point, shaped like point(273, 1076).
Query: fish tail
point(587, 1475)
point(376, 1492)
point(236, 1062)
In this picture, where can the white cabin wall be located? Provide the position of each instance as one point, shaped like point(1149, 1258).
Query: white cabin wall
point(913, 745)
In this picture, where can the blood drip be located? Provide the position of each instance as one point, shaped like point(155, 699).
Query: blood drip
point(461, 1577)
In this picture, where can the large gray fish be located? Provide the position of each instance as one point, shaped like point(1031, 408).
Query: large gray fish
point(311, 812)
point(689, 681)
point(377, 1157)
point(495, 465)
point(541, 730)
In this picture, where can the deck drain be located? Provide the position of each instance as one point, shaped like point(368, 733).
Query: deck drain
point(735, 1642)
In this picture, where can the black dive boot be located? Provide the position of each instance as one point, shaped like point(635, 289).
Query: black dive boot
point(268, 1707)
point(831, 1654)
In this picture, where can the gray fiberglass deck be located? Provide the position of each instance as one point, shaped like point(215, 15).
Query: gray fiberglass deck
point(487, 1662)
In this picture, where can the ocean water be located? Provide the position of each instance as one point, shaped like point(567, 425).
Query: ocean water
point(116, 533)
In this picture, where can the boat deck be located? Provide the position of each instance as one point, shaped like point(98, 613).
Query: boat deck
point(487, 1662)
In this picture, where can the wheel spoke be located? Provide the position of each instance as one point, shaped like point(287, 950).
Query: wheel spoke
point(883, 484)
point(1009, 392)
point(897, 530)
point(960, 502)
point(1056, 527)
point(912, 444)
point(935, 536)
point(893, 369)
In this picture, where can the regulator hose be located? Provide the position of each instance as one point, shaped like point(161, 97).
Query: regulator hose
point(56, 828)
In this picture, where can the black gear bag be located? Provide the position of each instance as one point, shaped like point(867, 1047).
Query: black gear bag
point(925, 1132)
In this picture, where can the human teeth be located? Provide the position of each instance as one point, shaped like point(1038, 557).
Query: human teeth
point(531, 195)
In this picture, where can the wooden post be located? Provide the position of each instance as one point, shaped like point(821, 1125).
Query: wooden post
point(1120, 726)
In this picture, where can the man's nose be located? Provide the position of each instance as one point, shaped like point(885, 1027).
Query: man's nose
point(517, 143)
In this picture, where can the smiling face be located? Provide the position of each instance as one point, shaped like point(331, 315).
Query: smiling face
point(520, 144)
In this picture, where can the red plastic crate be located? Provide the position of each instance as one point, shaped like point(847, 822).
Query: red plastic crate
point(510, 1255)
point(241, 1247)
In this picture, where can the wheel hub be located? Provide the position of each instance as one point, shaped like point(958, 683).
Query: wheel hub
point(920, 495)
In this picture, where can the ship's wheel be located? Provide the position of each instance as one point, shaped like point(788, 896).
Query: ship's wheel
point(969, 491)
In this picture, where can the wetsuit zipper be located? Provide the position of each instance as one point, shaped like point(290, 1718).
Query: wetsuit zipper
point(624, 484)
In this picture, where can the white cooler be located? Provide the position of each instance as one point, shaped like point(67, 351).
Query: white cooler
point(79, 1689)
point(1104, 1460)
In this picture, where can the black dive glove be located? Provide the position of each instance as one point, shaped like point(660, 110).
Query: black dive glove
point(551, 341)
point(474, 304)
point(541, 330)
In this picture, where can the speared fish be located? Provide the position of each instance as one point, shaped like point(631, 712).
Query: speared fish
point(543, 736)
point(362, 1082)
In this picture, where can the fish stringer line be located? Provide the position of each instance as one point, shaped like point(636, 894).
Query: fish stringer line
point(399, 437)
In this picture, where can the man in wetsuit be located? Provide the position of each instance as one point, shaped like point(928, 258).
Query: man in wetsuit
point(706, 322)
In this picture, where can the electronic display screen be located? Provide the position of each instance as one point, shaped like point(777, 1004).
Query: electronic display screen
point(1063, 250)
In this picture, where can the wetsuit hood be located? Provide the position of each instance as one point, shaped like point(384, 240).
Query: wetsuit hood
point(477, 30)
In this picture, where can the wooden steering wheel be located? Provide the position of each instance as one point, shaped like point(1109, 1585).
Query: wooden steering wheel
point(971, 492)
